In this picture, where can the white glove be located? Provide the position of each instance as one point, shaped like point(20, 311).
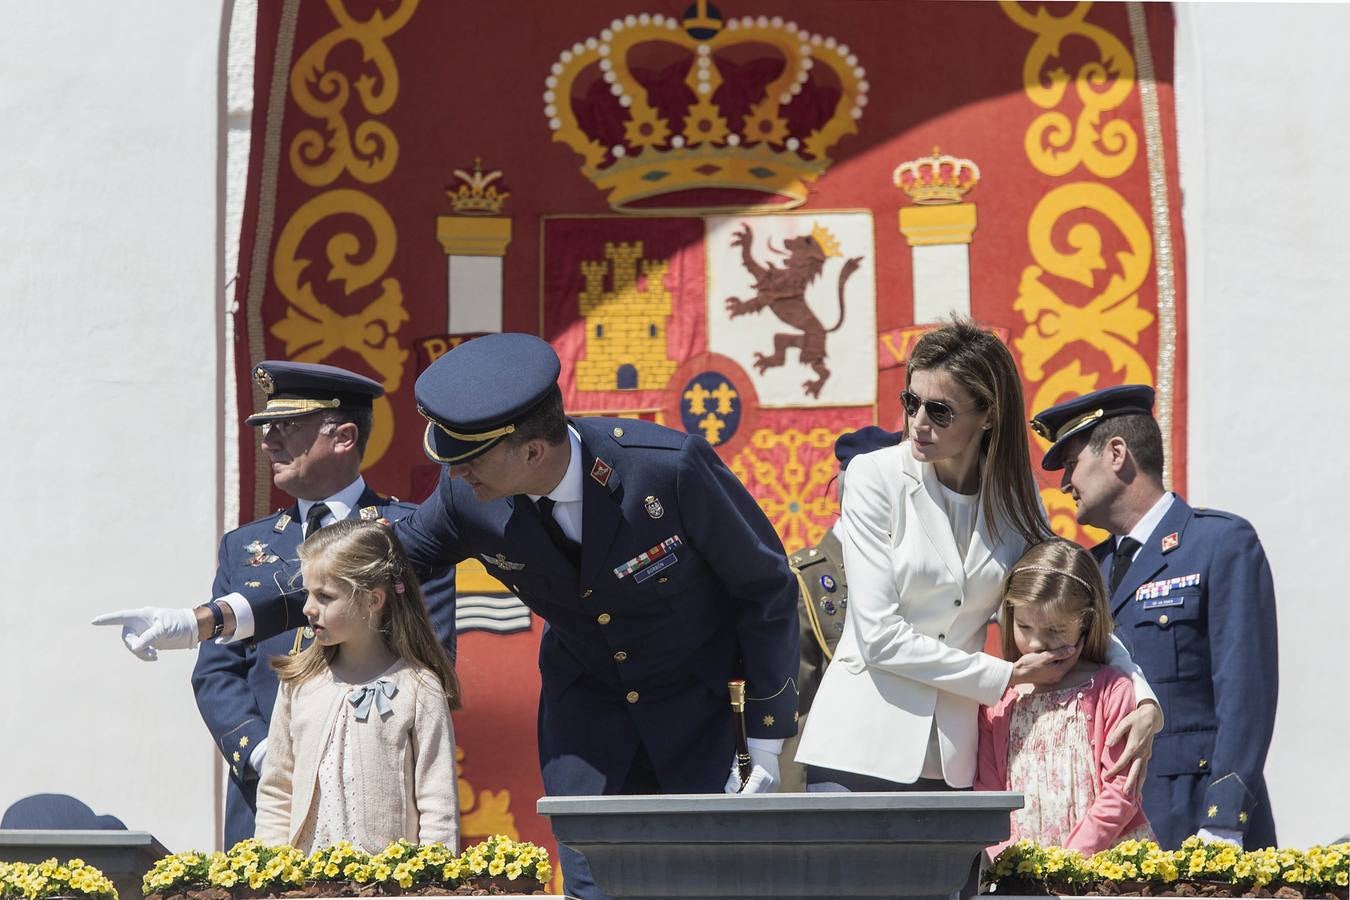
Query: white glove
point(1220, 836)
point(764, 775)
point(152, 628)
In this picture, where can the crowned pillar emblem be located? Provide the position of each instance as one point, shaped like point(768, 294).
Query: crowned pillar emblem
point(474, 240)
point(939, 228)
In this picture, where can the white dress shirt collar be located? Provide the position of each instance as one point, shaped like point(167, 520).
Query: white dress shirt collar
point(340, 505)
point(1143, 529)
point(569, 488)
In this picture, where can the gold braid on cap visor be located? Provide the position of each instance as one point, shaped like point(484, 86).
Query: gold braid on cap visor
point(1069, 428)
point(484, 438)
point(297, 406)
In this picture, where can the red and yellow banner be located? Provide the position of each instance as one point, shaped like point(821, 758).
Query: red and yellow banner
point(731, 220)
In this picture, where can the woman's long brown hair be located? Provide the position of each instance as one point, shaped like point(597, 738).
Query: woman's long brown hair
point(981, 363)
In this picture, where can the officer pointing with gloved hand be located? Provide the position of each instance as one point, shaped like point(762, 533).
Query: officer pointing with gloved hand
point(658, 574)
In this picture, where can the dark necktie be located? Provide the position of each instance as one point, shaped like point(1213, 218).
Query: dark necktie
point(1125, 548)
point(566, 546)
point(314, 518)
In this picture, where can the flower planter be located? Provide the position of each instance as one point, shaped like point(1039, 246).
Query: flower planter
point(730, 846)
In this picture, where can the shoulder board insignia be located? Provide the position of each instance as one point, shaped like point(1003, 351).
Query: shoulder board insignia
point(282, 522)
point(369, 513)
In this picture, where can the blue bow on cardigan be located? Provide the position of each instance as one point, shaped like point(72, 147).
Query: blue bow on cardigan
point(378, 692)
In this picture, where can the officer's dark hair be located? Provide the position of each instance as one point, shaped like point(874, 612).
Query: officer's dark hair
point(983, 365)
point(546, 422)
point(1141, 434)
point(363, 419)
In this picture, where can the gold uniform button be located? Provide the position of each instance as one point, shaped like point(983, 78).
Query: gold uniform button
point(586, 593)
point(1162, 620)
point(662, 580)
point(620, 656)
point(632, 696)
point(618, 432)
point(603, 618)
point(1203, 763)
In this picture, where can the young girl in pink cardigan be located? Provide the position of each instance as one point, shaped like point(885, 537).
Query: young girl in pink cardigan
point(1050, 743)
point(360, 746)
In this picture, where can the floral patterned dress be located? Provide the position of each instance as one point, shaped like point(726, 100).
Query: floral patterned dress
point(1050, 761)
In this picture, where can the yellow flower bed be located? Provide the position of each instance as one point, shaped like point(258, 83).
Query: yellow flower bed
point(399, 867)
point(1026, 867)
point(34, 881)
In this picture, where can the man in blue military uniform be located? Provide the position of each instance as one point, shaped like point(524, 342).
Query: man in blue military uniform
point(1194, 602)
point(658, 575)
point(314, 429)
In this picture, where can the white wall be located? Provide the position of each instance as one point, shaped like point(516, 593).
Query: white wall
point(108, 117)
point(1265, 169)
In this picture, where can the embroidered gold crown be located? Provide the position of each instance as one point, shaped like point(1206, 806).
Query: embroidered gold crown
point(937, 179)
point(676, 116)
point(477, 195)
point(826, 241)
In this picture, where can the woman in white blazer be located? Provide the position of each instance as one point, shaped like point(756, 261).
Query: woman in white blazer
point(930, 528)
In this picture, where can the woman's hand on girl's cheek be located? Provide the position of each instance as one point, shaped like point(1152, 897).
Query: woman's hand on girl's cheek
point(1043, 668)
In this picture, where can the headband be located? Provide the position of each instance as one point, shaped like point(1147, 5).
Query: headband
point(1085, 585)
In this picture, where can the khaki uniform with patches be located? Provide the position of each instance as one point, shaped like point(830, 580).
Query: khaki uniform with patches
point(822, 600)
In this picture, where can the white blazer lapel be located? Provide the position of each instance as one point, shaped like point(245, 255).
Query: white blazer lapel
point(922, 489)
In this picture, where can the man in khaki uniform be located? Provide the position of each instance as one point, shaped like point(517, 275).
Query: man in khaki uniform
point(823, 597)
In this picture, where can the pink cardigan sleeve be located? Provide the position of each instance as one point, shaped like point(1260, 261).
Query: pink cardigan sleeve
point(991, 771)
point(1115, 811)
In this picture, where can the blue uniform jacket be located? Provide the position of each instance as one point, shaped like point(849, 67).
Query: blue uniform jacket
point(637, 653)
point(1197, 612)
point(234, 685)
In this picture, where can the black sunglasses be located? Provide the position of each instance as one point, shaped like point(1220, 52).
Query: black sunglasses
point(939, 413)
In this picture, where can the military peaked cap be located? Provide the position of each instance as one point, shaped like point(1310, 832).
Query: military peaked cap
point(296, 389)
point(1079, 416)
point(475, 395)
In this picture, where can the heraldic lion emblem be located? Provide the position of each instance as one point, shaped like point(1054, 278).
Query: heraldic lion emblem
point(782, 289)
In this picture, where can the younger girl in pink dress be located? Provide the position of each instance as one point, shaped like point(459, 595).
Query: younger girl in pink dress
point(1050, 743)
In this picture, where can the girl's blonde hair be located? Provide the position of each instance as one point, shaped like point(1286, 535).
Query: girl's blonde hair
point(1059, 578)
point(365, 555)
point(983, 365)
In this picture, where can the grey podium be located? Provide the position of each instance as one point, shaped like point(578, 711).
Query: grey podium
point(124, 856)
point(729, 846)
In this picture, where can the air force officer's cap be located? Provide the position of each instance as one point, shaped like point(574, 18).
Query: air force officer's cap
point(475, 395)
point(297, 389)
point(864, 440)
point(1059, 423)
